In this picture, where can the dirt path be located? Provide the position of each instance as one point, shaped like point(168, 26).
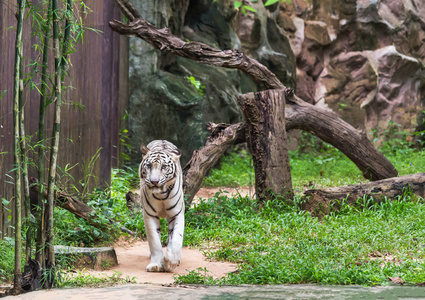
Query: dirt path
point(134, 257)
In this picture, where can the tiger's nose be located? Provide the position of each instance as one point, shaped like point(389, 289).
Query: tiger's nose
point(154, 182)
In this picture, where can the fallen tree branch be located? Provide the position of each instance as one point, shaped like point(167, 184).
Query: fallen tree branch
point(203, 160)
point(299, 114)
point(71, 204)
point(321, 201)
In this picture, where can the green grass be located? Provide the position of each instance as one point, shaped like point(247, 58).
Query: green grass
point(279, 244)
point(325, 168)
point(64, 279)
point(236, 170)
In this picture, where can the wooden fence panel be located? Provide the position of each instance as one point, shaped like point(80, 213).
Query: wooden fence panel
point(89, 136)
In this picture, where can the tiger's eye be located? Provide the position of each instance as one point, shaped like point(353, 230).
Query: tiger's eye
point(163, 167)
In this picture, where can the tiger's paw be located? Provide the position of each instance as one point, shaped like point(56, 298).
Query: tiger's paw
point(155, 268)
point(170, 265)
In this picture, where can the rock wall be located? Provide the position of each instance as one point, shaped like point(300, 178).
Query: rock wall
point(363, 59)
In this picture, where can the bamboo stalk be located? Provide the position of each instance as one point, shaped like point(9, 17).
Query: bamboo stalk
point(59, 68)
point(41, 234)
point(24, 161)
point(55, 137)
point(17, 288)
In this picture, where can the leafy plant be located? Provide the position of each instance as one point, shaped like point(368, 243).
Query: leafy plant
point(198, 276)
point(197, 84)
point(65, 279)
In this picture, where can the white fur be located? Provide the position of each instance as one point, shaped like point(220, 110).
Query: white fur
point(161, 201)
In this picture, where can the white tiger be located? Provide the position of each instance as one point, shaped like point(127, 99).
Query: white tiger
point(161, 191)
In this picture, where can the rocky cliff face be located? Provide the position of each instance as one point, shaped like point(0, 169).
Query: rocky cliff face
point(363, 59)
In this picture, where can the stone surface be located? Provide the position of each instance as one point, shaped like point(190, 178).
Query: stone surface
point(95, 258)
point(290, 291)
point(362, 59)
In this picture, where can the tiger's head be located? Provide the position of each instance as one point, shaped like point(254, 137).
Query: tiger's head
point(158, 169)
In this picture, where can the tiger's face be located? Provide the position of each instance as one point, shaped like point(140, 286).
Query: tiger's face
point(158, 170)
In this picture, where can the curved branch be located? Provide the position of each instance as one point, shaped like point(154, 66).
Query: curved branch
point(299, 114)
point(353, 143)
point(163, 40)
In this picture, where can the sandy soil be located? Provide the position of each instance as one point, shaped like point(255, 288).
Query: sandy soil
point(134, 257)
point(229, 191)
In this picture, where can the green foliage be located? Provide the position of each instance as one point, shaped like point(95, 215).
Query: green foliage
point(197, 84)
point(278, 243)
point(317, 164)
point(195, 277)
point(73, 231)
point(65, 279)
point(236, 170)
point(7, 264)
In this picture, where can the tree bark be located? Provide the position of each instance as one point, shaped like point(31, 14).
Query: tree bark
point(265, 122)
point(299, 114)
point(203, 160)
point(322, 201)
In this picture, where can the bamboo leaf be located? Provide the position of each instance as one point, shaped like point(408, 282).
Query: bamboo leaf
point(271, 2)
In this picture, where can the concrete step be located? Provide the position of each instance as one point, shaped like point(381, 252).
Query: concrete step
point(101, 258)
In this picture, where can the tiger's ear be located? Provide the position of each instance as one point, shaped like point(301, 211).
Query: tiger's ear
point(144, 150)
point(175, 154)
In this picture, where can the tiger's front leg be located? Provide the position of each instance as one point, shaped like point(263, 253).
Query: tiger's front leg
point(153, 235)
point(175, 242)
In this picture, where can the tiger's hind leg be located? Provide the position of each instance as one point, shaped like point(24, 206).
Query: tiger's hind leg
point(175, 243)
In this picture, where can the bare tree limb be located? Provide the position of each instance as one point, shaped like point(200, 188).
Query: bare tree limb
point(299, 114)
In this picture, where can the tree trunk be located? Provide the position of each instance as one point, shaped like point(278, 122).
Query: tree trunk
point(298, 114)
point(203, 160)
point(265, 121)
point(17, 284)
point(321, 201)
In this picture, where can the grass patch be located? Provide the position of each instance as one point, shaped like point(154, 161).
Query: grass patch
point(236, 170)
point(80, 279)
point(278, 243)
point(325, 168)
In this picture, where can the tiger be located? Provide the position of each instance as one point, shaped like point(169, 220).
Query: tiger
point(161, 191)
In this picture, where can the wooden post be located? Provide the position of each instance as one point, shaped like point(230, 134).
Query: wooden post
point(266, 135)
